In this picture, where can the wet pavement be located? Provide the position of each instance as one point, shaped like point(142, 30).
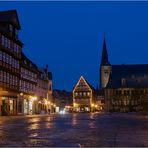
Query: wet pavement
point(75, 130)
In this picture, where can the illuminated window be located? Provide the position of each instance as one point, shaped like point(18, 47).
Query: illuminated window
point(88, 94)
point(11, 106)
point(76, 94)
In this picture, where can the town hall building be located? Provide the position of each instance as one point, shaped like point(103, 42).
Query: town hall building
point(125, 86)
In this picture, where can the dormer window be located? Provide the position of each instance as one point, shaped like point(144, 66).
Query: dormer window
point(11, 28)
point(123, 81)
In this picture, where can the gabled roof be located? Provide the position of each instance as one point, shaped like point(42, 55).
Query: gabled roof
point(86, 82)
point(10, 16)
point(133, 75)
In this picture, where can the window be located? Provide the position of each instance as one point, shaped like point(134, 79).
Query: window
point(84, 93)
point(106, 73)
point(128, 92)
point(7, 77)
point(3, 40)
point(123, 82)
point(8, 44)
point(132, 102)
point(11, 28)
point(119, 102)
point(7, 58)
point(124, 102)
point(10, 79)
point(4, 57)
point(88, 94)
point(76, 94)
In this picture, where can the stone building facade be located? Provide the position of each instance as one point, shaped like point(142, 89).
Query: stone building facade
point(125, 86)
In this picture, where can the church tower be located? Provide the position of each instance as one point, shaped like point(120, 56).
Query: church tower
point(105, 67)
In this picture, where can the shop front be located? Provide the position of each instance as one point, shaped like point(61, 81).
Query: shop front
point(26, 104)
point(8, 105)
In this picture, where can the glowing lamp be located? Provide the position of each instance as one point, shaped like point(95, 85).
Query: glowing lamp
point(34, 98)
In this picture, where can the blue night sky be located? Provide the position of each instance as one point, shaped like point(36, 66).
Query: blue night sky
point(68, 36)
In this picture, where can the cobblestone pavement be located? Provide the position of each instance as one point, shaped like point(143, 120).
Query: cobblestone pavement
point(75, 130)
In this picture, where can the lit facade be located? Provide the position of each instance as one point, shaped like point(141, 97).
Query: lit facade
point(27, 85)
point(22, 84)
point(83, 96)
point(10, 56)
point(44, 91)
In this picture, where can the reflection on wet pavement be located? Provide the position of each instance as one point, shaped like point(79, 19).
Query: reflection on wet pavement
point(75, 130)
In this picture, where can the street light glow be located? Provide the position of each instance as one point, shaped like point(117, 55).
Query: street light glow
point(34, 98)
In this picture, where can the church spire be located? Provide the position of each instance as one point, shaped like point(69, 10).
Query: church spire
point(104, 60)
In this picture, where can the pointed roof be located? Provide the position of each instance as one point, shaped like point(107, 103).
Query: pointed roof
point(10, 16)
point(104, 60)
point(82, 79)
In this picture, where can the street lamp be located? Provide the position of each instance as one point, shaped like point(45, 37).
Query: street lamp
point(75, 104)
point(92, 105)
point(46, 102)
point(21, 94)
point(34, 98)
